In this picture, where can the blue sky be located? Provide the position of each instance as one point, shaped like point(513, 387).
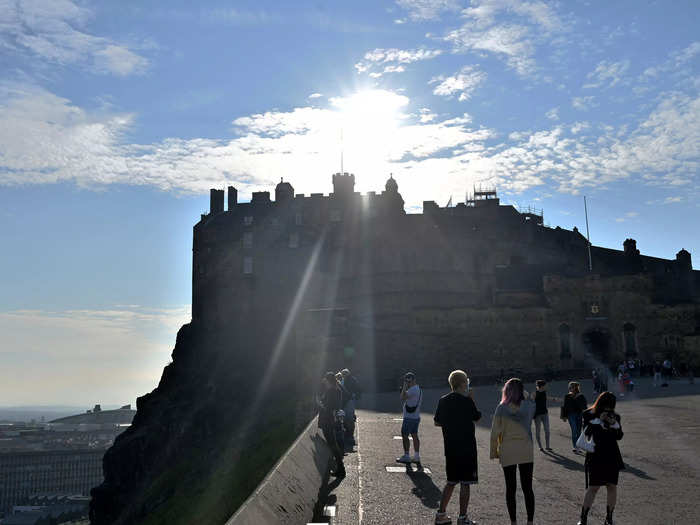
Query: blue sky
point(117, 117)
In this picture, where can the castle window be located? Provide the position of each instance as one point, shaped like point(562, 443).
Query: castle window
point(297, 218)
point(248, 220)
point(248, 239)
point(335, 216)
point(294, 240)
point(247, 265)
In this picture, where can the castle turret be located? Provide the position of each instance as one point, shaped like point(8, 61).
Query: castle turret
point(343, 184)
point(684, 260)
point(630, 246)
point(391, 185)
point(284, 192)
point(232, 198)
point(216, 201)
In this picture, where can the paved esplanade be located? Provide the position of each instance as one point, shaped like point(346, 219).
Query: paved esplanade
point(661, 449)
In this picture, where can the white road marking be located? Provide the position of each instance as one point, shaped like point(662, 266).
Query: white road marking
point(397, 470)
point(360, 509)
point(329, 510)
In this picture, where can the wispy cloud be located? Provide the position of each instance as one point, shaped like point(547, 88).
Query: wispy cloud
point(55, 31)
point(381, 61)
point(44, 139)
point(607, 74)
point(553, 114)
point(421, 10)
point(584, 103)
point(463, 83)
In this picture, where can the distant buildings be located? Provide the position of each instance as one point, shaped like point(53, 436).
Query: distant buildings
point(64, 457)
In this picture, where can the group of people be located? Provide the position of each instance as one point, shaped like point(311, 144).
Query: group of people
point(336, 413)
point(511, 440)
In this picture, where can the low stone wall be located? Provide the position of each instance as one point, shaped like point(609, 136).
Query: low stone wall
point(290, 491)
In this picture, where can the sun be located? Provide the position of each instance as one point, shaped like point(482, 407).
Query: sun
point(368, 122)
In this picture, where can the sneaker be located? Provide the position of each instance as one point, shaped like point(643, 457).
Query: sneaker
point(441, 518)
point(404, 459)
point(549, 449)
point(463, 520)
point(416, 458)
point(541, 449)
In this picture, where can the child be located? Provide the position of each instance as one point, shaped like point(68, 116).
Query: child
point(456, 413)
point(541, 413)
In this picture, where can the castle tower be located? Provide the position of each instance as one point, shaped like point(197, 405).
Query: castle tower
point(343, 184)
point(284, 192)
point(684, 260)
point(232, 198)
point(391, 185)
point(216, 201)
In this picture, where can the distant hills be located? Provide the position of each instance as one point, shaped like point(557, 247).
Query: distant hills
point(48, 412)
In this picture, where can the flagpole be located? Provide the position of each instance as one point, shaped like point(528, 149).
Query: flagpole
point(588, 236)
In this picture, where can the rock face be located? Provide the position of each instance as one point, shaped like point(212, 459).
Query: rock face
point(201, 441)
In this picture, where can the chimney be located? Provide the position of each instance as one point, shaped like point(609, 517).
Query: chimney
point(232, 198)
point(216, 201)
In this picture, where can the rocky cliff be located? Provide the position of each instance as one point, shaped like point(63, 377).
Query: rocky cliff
point(204, 438)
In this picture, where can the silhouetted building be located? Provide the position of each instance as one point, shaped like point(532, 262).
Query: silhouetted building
point(318, 282)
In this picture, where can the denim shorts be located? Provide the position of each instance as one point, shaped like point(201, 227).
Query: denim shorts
point(409, 426)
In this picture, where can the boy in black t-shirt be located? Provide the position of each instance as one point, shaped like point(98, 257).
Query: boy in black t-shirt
point(455, 414)
point(541, 413)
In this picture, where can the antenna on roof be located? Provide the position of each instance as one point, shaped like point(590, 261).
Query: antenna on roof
point(342, 146)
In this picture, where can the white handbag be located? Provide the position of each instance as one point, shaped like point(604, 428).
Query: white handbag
point(585, 443)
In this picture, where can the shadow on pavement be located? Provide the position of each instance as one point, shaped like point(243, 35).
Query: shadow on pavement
point(425, 490)
point(565, 462)
point(637, 472)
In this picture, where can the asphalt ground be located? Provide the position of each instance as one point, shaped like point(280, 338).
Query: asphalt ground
point(661, 449)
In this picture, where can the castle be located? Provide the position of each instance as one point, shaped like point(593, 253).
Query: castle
point(326, 281)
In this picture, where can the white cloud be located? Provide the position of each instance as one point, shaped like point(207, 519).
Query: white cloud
point(315, 95)
point(510, 29)
point(54, 31)
point(392, 60)
point(114, 354)
point(464, 82)
point(627, 216)
point(607, 74)
point(44, 139)
point(508, 40)
point(428, 9)
point(583, 103)
point(553, 114)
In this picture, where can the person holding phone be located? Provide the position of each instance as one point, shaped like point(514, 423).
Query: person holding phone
point(411, 395)
point(603, 465)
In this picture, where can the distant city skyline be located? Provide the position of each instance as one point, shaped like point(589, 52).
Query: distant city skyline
point(116, 119)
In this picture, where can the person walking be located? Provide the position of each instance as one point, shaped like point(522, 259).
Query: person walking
point(352, 385)
point(603, 465)
point(329, 403)
point(455, 414)
point(541, 413)
point(411, 395)
point(511, 443)
point(574, 405)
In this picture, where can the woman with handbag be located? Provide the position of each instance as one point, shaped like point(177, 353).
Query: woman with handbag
point(511, 443)
point(602, 467)
point(574, 405)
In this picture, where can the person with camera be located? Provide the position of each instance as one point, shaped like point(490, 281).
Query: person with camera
point(603, 465)
point(411, 395)
point(329, 403)
point(455, 414)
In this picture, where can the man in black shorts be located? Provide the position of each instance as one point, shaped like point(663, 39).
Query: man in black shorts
point(455, 414)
